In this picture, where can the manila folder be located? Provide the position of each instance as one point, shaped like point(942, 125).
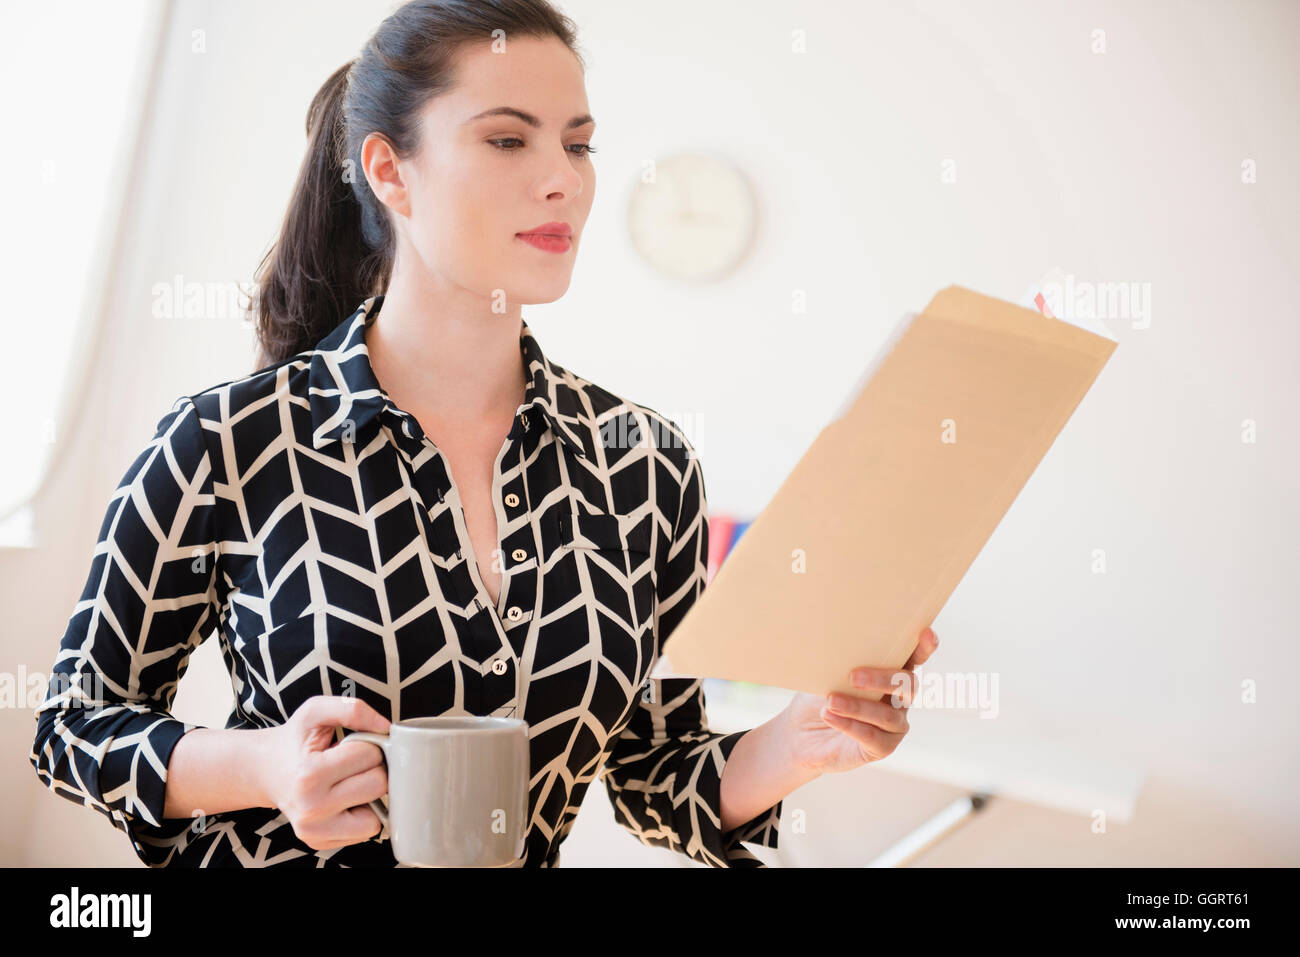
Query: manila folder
point(868, 536)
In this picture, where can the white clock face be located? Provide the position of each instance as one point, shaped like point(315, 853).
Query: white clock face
point(692, 216)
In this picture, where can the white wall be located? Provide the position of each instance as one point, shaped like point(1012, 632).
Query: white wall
point(1118, 166)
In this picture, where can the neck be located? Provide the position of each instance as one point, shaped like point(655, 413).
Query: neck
point(442, 349)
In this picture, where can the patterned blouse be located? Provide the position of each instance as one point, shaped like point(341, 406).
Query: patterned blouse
point(310, 524)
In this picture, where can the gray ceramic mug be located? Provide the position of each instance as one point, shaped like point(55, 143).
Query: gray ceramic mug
point(457, 790)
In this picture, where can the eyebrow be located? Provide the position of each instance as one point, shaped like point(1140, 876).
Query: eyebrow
point(528, 118)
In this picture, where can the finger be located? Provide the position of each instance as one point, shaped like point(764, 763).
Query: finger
point(900, 683)
point(882, 714)
point(358, 789)
point(346, 759)
point(876, 742)
point(925, 647)
point(328, 712)
point(351, 826)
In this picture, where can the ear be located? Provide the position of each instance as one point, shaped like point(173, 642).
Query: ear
point(383, 171)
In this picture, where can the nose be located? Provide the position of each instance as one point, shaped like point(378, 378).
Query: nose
point(562, 178)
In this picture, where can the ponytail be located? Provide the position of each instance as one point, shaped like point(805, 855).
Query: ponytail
point(320, 268)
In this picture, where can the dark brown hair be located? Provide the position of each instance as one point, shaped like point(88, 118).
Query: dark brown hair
point(336, 245)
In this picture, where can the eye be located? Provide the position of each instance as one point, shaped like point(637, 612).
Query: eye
point(578, 149)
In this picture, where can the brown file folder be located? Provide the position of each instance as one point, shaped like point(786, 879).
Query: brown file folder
point(864, 542)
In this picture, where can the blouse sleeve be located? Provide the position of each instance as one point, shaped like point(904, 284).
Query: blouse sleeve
point(664, 775)
point(103, 733)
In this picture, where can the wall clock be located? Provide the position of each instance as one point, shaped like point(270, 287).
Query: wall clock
point(692, 217)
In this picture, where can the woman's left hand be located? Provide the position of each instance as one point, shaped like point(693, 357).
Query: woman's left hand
point(843, 732)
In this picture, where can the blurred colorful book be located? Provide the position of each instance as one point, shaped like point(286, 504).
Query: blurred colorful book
point(724, 531)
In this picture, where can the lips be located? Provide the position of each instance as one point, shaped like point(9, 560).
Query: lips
point(562, 230)
point(549, 237)
point(550, 244)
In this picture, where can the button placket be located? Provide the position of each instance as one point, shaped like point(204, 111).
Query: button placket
point(489, 634)
point(525, 631)
point(500, 686)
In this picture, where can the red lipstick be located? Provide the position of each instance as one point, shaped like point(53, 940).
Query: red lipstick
point(549, 237)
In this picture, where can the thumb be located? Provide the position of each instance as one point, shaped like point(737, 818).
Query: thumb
point(325, 717)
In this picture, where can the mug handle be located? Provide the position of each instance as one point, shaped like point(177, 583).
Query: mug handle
point(382, 741)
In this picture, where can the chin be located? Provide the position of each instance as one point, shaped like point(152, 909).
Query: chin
point(534, 294)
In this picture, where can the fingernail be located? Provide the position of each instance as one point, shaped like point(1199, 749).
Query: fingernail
point(859, 679)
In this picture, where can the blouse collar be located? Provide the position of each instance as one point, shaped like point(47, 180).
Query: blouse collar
point(344, 392)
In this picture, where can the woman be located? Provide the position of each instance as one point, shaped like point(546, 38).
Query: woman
point(411, 511)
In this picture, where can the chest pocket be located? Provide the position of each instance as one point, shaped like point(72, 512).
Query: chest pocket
point(614, 564)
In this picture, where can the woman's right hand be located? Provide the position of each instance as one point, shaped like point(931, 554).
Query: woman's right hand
point(323, 789)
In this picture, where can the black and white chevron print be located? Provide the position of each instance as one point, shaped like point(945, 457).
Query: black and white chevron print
point(310, 524)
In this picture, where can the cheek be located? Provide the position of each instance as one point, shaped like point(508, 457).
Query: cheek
point(588, 191)
point(463, 228)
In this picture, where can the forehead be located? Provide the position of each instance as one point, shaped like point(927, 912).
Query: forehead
point(538, 75)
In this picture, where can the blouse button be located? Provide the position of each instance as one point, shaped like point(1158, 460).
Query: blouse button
point(512, 499)
point(519, 554)
point(499, 666)
point(514, 613)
